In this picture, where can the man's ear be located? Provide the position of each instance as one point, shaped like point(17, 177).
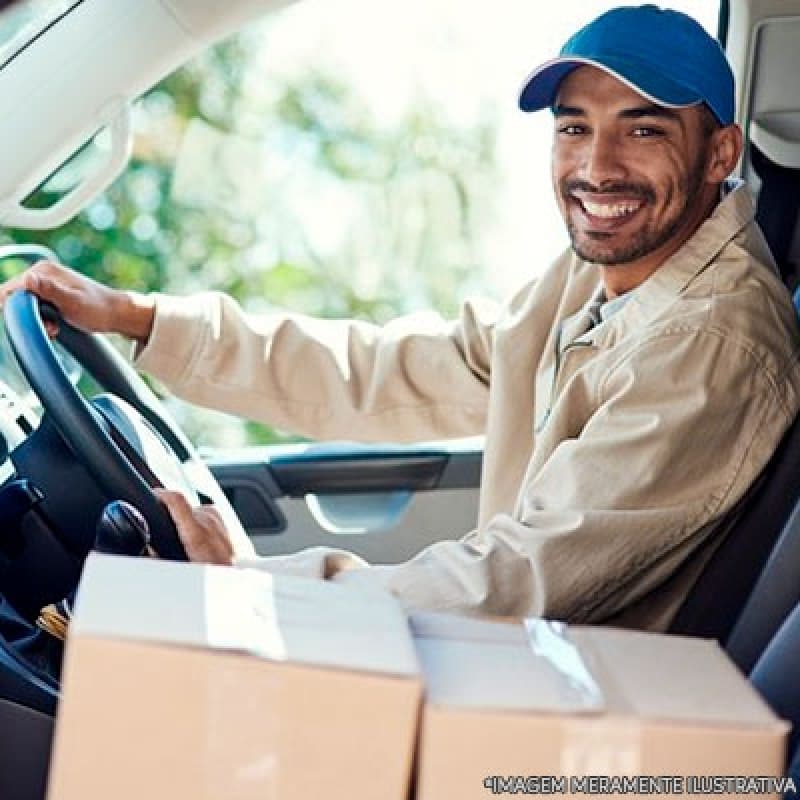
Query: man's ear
point(724, 150)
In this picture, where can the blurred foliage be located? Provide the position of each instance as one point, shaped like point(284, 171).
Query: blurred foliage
point(294, 196)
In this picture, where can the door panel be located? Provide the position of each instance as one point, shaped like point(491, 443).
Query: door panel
point(382, 502)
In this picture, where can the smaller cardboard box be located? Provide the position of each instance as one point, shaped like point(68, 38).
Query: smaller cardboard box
point(188, 681)
point(541, 708)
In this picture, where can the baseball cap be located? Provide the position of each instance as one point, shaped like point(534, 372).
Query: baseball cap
point(664, 55)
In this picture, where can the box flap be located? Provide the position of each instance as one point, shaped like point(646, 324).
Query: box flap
point(671, 677)
point(280, 618)
point(478, 663)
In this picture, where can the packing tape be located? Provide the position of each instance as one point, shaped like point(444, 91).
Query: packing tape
point(550, 641)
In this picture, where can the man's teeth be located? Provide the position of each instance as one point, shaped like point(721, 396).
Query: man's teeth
point(609, 210)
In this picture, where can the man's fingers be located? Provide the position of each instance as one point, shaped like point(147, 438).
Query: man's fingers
point(181, 512)
point(201, 530)
point(45, 287)
point(32, 283)
point(83, 302)
point(33, 279)
point(51, 328)
point(11, 286)
point(177, 505)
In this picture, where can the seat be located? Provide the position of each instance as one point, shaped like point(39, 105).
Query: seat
point(776, 593)
point(715, 602)
point(719, 596)
point(774, 676)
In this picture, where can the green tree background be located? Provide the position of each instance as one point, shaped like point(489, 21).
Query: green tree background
point(215, 193)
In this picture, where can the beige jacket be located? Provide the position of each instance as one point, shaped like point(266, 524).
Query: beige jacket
point(609, 460)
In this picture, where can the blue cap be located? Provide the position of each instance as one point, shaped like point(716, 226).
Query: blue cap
point(664, 55)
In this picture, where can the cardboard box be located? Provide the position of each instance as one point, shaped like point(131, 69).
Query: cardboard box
point(539, 708)
point(190, 681)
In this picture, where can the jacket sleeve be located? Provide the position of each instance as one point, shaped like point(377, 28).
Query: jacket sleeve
point(680, 429)
point(418, 377)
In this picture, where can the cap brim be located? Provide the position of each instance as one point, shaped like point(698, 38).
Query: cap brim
point(541, 87)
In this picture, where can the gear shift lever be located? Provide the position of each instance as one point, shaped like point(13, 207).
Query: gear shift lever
point(122, 531)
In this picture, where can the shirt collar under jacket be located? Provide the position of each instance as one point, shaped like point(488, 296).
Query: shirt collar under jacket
point(597, 311)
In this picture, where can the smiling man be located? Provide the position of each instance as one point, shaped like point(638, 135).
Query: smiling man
point(634, 180)
point(629, 397)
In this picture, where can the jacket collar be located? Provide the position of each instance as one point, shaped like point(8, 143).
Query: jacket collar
point(734, 212)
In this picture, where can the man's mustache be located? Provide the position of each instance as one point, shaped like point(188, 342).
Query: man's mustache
point(644, 191)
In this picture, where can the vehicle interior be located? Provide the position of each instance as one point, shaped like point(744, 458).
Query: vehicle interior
point(67, 457)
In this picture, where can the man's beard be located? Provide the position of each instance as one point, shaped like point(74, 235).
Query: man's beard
point(646, 240)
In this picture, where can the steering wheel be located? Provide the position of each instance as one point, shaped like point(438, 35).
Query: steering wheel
point(125, 440)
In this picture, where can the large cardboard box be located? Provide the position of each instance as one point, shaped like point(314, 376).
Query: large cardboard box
point(540, 708)
point(190, 681)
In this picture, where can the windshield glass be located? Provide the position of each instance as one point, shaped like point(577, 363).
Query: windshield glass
point(23, 21)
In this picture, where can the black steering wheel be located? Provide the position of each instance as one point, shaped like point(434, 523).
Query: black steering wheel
point(125, 440)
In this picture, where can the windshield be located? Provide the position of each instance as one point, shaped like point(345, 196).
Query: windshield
point(23, 21)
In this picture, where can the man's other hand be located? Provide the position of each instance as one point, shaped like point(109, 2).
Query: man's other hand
point(85, 303)
point(201, 529)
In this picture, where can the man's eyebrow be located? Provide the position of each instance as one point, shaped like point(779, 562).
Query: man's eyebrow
point(636, 112)
point(568, 111)
point(650, 110)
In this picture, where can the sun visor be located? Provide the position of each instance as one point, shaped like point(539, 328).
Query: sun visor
point(79, 77)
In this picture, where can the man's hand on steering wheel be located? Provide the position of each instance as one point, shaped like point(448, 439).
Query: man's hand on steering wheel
point(201, 530)
point(85, 303)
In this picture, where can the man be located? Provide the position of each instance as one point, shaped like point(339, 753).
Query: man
point(629, 397)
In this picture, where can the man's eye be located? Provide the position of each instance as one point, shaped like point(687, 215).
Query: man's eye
point(646, 132)
point(572, 130)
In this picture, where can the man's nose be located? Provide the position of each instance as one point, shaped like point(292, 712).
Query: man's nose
point(603, 160)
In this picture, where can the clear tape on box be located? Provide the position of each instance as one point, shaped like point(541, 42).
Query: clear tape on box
point(550, 641)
